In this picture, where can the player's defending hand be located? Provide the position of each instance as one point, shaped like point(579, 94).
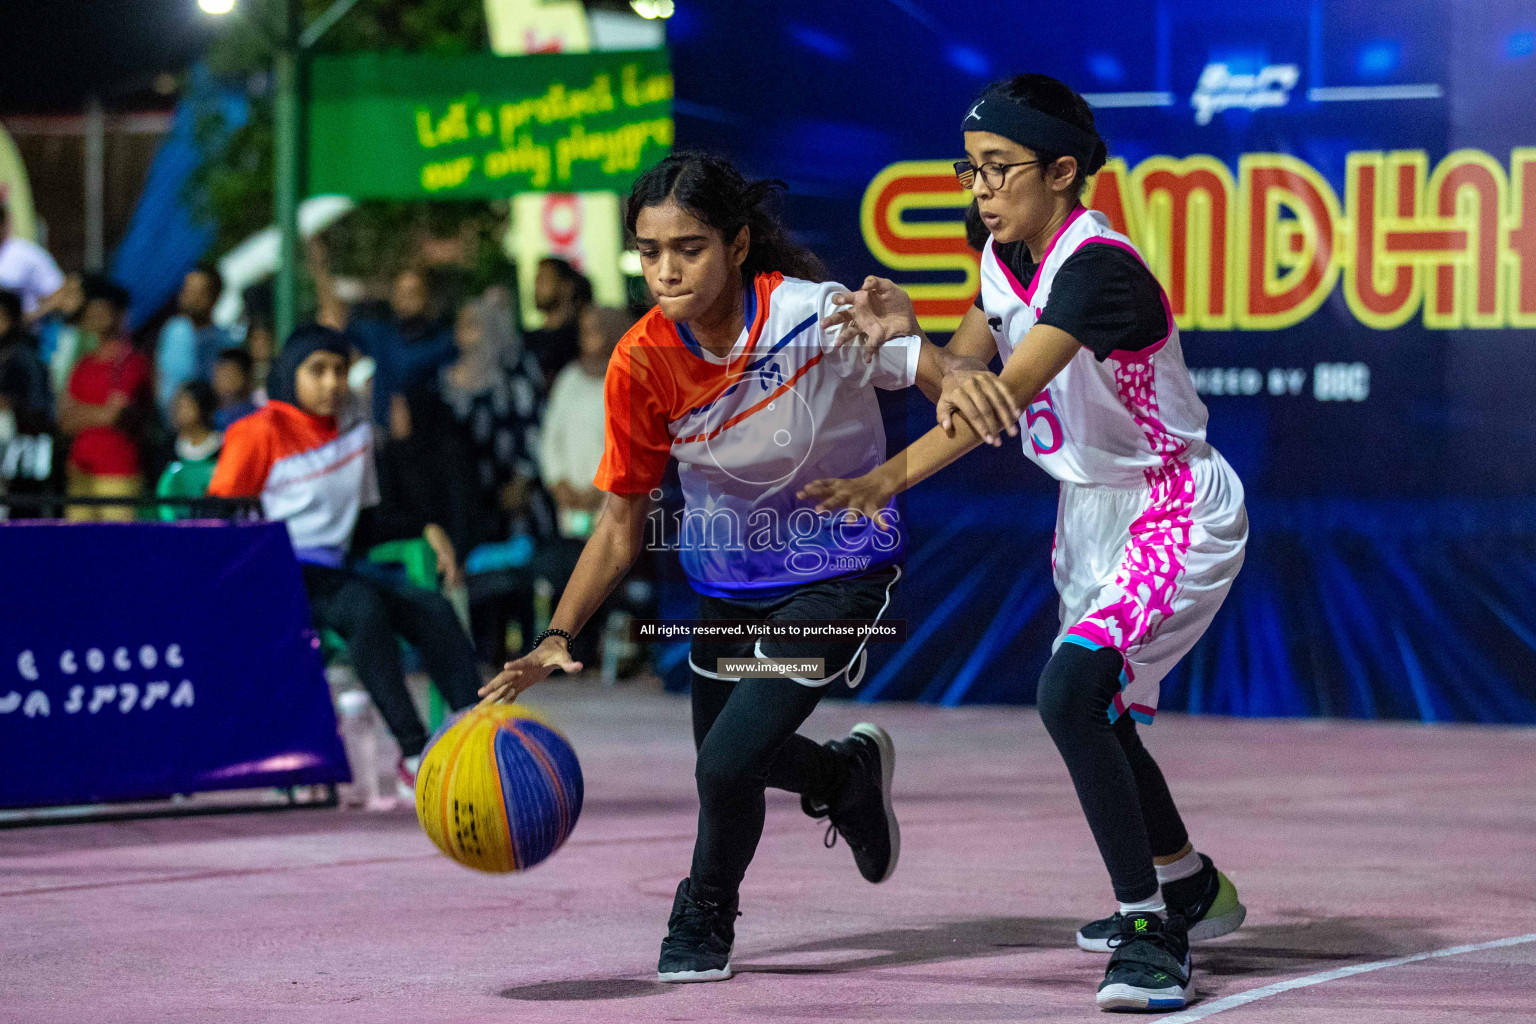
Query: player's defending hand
point(984, 401)
point(865, 496)
point(533, 667)
point(872, 316)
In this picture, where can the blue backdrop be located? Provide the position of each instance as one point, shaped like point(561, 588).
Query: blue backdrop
point(143, 660)
point(1340, 200)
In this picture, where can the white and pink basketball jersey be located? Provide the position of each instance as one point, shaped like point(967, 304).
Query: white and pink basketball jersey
point(1099, 422)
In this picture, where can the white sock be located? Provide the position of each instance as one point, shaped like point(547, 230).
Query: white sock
point(1153, 905)
point(1186, 866)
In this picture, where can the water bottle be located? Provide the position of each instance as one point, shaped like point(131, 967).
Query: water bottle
point(360, 735)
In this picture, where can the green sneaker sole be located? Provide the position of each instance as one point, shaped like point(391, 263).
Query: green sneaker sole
point(1225, 916)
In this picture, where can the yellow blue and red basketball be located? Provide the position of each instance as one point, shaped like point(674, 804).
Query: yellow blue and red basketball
point(499, 788)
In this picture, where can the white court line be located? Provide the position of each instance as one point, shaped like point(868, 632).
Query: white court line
point(1253, 995)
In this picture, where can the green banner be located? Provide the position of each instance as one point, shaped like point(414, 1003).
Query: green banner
point(410, 126)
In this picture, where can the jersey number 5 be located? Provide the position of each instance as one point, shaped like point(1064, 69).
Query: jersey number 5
point(1040, 412)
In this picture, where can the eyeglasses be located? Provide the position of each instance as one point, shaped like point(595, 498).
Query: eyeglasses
point(993, 174)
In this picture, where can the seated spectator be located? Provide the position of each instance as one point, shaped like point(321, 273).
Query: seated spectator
point(190, 341)
point(105, 407)
point(560, 293)
point(25, 395)
point(233, 386)
point(25, 267)
point(495, 391)
point(308, 455)
point(197, 447)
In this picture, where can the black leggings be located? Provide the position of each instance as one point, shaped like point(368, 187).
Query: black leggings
point(745, 734)
point(1120, 787)
point(369, 613)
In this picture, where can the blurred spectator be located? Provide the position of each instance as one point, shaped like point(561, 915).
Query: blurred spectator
point(56, 317)
point(560, 293)
point(197, 446)
point(61, 342)
point(572, 444)
point(25, 267)
point(427, 475)
point(260, 345)
point(105, 407)
point(233, 386)
point(190, 341)
point(495, 390)
point(408, 344)
point(570, 450)
point(26, 399)
point(309, 456)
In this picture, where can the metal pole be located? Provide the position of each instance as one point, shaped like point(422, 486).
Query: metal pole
point(95, 184)
point(286, 186)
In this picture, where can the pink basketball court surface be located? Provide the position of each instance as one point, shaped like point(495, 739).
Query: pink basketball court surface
point(1357, 848)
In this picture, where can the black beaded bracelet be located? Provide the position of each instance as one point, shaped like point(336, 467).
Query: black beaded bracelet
point(549, 633)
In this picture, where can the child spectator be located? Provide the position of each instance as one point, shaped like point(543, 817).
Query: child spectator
point(233, 386)
point(197, 447)
point(104, 407)
point(308, 454)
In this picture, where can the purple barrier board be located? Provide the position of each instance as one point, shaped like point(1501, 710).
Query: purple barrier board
point(140, 660)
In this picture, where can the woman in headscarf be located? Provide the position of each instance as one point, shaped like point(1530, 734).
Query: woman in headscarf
point(495, 391)
point(308, 454)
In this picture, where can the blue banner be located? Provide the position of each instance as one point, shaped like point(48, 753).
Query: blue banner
point(1339, 198)
point(144, 660)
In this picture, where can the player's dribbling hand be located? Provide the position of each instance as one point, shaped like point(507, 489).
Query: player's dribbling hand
point(872, 316)
point(985, 403)
point(866, 496)
point(533, 667)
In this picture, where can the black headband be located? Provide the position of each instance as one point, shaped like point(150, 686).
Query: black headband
point(1031, 128)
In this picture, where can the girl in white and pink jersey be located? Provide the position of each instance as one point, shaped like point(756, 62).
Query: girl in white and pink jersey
point(1150, 525)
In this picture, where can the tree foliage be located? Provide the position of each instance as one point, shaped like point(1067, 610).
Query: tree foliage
point(236, 184)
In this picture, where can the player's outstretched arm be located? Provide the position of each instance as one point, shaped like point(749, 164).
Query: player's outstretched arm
point(873, 315)
point(1044, 353)
point(993, 405)
point(613, 547)
point(881, 311)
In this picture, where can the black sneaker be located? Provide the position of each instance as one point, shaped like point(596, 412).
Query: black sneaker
point(700, 935)
point(1207, 900)
point(1149, 966)
point(862, 812)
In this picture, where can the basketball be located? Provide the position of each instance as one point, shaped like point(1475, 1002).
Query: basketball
point(499, 788)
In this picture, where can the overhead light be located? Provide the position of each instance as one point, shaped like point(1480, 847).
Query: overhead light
point(652, 9)
point(216, 6)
